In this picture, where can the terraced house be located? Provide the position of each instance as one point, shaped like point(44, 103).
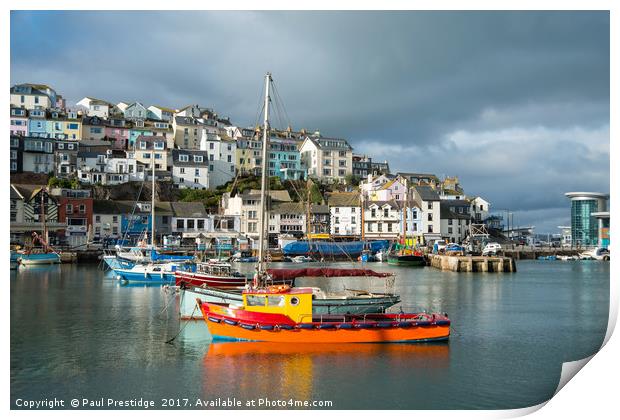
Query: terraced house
point(33, 96)
point(190, 169)
point(19, 121)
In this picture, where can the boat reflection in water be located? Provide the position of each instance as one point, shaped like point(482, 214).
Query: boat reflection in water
point(281, 371)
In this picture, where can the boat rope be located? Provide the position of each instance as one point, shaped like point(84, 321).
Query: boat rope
point(183, 327)
point(167, 303)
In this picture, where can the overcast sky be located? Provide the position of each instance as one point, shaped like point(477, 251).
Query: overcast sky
point(514, 103)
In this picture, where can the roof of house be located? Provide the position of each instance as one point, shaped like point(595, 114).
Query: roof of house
point(97, 101)
point(288, 208)
point(106, 207)
point(392, 203)
point(426, 193)
point(83, 154)
point(446, 213)
point(172, 111)
point(455, 203)
point(188, 209)
point(343, 199)
point(417, 175)
point(329, 143)
point(94, 143)
point(27, 191)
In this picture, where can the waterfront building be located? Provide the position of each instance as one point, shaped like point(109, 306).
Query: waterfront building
point(286, 218)
point(160, 113)
point(221, 153)
point(319, 224)
point(479, 209)
point(285, 159)
point(189, 220)
point(163, 129)
point(247, 207)
point(33, 96)
point(429, 203)
point(414, 227)
point(373, 183)
point(585, 225)
point(94, 107)
point(382, 219)
point(75, 209)
point(602, 218)
point(455, 219)
point(565, 236)
point(93, 128)
point(345, 215)
point(26, 203)
point(190, 169)
point(107, 220)
point(327, 158)
point(19, 121)
point(135, 220)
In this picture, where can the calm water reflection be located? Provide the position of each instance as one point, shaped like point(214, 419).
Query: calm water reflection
point(77, 333)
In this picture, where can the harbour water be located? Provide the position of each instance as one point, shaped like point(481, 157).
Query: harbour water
point(76, 333)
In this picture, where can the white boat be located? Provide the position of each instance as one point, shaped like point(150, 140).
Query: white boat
point(600, 254)
point(566, 257)
point(301, 259)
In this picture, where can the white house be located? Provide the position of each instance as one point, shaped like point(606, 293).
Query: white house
point(221, 155)
point(429, 203)
point(382, 219)
point(190, 169)
point(345, 214)
point(96, 107)
point(479, 209)
point(189, 219)
point(33, 96)
point(327, 158)
point(135, 112)
point(160, 113)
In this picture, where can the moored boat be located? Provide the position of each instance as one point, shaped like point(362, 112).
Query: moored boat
point(151, 273)
point(339, 302)
point(211, 274)
point(284, 314)
point(410, 260)
point(43, 258)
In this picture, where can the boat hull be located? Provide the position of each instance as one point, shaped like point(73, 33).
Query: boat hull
point(185, 278)
point(371, 305)
point(407, 260)
point(247, 328)
point(146, 277)
point(39, 259)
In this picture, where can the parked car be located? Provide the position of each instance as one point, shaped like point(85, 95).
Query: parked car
point(491, 248)
point(439, 246)
point(452, 247)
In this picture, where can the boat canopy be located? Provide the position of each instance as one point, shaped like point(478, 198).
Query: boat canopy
point(293, 273)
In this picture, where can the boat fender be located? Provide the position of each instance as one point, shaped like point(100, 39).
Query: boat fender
point(405, 324)
point(305, 326)
point(327, 326)
point(443, 322)
point(365, 325)
point(345, 326)
point(230, 321)
point(212, 319)
point(423, 323)
point(286, 327)
point(267, 327)
point(384, 324)
point(248, 326)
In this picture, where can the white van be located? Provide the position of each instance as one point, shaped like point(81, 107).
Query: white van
point(491, 248)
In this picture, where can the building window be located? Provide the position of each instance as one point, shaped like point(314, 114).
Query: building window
point(449, 221)
point(190, 223)
point(164, 220)
point(97, 219)
point(82, 208)
point(430, 205)
point(197, 159)
point(430, 217)
point(115, 219)
point(180, 223)
point(201, 223)
point(386, 213)
point(389, 227)
point(430, 228)
point(69, 208)
point(449, 230)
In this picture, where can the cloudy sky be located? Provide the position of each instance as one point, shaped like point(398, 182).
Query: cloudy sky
point(514, 103)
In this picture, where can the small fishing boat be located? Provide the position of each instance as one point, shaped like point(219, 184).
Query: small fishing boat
point(407, 258)
point(218, 274)
point(333, 302)
point(151, 273)
point(39, 258)
point(284, 314)
point(300, 259)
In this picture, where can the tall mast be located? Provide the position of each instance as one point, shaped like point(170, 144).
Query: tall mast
point(153, 197)
point(263, 185)
point(362, 214)
point(45, 237)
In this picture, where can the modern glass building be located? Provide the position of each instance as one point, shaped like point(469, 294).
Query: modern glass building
point(584, 225)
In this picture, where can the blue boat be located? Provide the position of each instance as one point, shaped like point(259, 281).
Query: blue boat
point(152, 273)
point(39, 259)
point(334, 249)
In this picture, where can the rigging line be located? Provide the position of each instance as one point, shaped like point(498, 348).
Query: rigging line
point(133, 211)
point(260, 107)
point(277, 94)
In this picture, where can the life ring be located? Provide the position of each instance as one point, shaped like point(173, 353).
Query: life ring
point(279, 288)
